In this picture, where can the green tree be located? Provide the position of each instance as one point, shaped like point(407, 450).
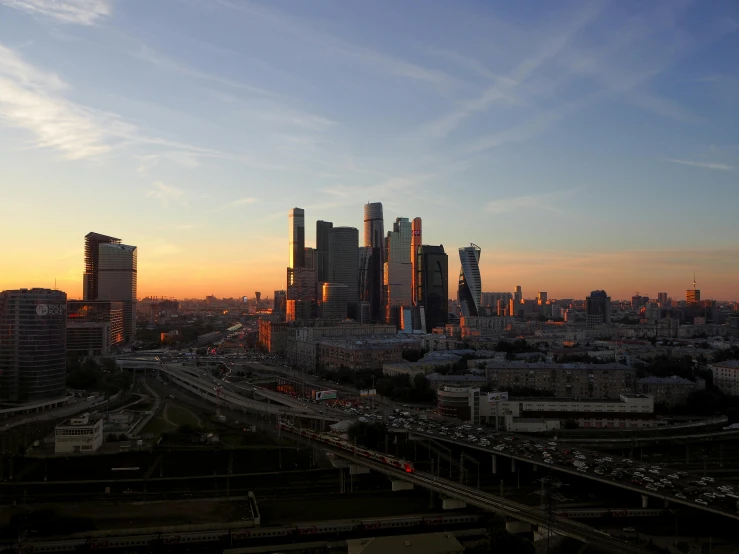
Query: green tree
point(368, 434)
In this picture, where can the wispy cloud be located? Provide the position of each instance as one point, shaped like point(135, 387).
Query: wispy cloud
point(705, 165)
point(335, 46)
point(81, 12)
point(544, 202)
point(167, 193)
point(32, 99)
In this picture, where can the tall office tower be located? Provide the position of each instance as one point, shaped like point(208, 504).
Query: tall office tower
point(597, 308)
point(541, 298)
point(334, 301)
point(322, 231)
point(296, 230)
point(398, 277)
point(374, 237)
point(518, 295)
point(94, 327)
point(364, 255)
point(692, 296)
point(32, 345)
point(433, 285)
point(470, 284)
point(343, 246)
point(279, 302)
point(258, 298)
point(310, 258)
point(416, 241)
point(92, 249)
point(662, 299)
point(301, 293)
point(117, 281)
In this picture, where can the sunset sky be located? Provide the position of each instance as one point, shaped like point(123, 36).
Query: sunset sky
point(582, 145)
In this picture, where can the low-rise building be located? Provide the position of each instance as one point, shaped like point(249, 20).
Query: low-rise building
point(439, 381)
point(273, 336)
point(726, 376)
point(574, 380)
point(78, 435)
point(361, 352)
point(669, 391)
point(462, 403)
point(630, 411)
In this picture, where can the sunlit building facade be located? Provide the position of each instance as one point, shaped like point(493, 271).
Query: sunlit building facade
point(92, 263)
point(296, 232)
point(118, 281)
point(398, 278)
point(94, 327)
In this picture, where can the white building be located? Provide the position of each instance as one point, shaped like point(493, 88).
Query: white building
point(726, 376)
point(630, 411)
point(78, 435)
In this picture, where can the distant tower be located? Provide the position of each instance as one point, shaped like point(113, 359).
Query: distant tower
point(259, 297)
point(374, 237)
point(470, 286)
point(296, 231)
point(693, 296)
point(416, 241)
point(92, 263)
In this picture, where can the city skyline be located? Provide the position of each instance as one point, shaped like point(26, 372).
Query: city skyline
point(561, 140)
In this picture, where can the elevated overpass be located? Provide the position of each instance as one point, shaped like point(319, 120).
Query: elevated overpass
point(584, 475)
point(486, 501)
point(226, 398)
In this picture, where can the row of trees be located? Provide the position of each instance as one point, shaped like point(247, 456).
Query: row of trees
point(93, 376)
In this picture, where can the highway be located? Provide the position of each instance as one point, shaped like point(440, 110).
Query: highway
point(486, 501)
point(637, 476)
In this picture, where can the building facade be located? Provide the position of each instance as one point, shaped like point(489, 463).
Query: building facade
point(78, 435)
point(323, 229)
point(273, 336)
point(374, 238)
point(597, 309)
point(470, 284)
point(94, 327)
point(398, 270)
point(118, 282)
point(343, 260)
point(726, 376)
point(296, 233)
point(416, 242)
point(92, 264)
point(32, 345)
point(461, 403)
point(564, 380)
point(670, 391)
point(333, 301)
point(433, 285)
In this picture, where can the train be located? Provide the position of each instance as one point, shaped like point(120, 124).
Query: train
point(333, 440)
point(227, 538)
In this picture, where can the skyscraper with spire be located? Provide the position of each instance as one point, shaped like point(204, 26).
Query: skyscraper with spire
point(692, 296)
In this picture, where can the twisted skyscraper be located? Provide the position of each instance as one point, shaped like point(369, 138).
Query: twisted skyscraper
point(470, 285)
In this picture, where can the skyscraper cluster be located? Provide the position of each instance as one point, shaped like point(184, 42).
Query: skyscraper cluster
point(389, 278)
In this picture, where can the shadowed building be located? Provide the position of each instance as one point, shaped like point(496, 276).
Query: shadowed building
point(117, 281)
point(92, 257)
point(32, 345)
point(433, 285)
point(374, 237)
point(470, 285)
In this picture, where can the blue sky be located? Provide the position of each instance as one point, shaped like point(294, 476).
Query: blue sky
point(582, 145)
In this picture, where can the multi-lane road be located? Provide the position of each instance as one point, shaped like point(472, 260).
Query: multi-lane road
point(653, 480)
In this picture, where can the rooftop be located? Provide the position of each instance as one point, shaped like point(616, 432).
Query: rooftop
point(457, 378)
point(674, 380)
point(426, 543)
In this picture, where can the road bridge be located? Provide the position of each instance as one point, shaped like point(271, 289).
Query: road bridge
point(489, 502)
point(584, 475)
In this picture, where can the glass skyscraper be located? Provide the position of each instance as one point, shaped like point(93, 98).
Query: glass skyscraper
point(118, 281)
point(398, 278)
point(323, 228)
point(296, 230)
point(433, 285)
point(470, 285)
point(32, 345)
point(92, 251)
point(344, 261)
point(374, 237)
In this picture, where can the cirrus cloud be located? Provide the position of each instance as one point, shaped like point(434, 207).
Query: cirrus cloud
point(81, 12)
